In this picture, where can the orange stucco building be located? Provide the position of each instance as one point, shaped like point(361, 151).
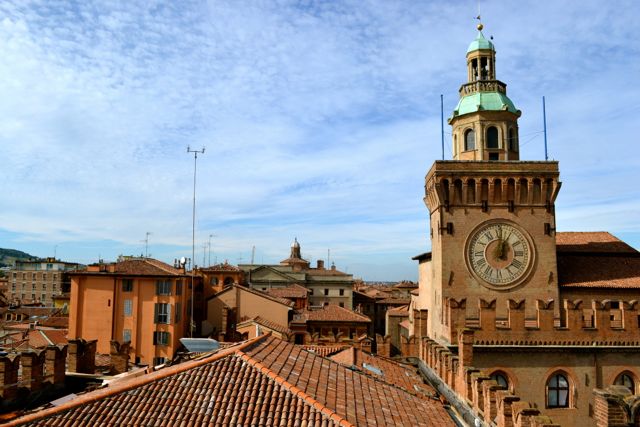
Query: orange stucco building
point(139, 300)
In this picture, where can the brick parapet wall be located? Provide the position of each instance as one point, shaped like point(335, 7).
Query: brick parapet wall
point(488, 400)
point(615, 406)
point(603, 324)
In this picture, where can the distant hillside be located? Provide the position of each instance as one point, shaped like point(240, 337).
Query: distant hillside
point(9, 256)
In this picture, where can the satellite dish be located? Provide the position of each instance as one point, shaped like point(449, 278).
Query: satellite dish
point(183, 261)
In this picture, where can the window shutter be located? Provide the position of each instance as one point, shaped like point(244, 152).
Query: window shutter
point(168, 314)
point(155, 338)
point(155, 315)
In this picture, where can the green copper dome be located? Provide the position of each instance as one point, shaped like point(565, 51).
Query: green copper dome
point(480, 43)
point(484, 101)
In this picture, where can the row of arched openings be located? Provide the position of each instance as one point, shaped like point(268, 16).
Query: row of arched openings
point(559, 387)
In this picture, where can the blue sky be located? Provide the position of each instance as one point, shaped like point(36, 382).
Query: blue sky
point(320, 120)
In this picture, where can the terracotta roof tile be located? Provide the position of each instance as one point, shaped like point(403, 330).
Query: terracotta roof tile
point(598, 271)
point(594, 242)
point(264, 381)
point(398, 374)
point(283, 329)
point(137, 267)
point(394, 301)
point(399, 311)
point(329, 313)
point(406, 284)
point(324, 350)
point(221, 267)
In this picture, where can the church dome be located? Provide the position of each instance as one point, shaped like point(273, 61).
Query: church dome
point(480, 43)
point(484, 101)
point(295, 244)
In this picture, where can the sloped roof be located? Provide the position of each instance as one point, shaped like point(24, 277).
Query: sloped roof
point(596, 260)
point(324, 350)
point(291, 291)
point(266, 323)
point(330, 313)
point(264, 381)
point(400, 375)
point(600, 271)
point(136, 267)
point(399, 311)
point(394, 301)
point(282, 301)
point(406, 284)
point(225, 266)
point(592, 242)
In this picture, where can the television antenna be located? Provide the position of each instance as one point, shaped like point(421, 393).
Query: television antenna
point(193, 233)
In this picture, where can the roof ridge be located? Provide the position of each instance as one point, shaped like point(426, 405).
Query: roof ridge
point(125, 386)
point(296, 391)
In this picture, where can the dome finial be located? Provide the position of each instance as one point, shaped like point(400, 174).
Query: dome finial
point(480, 26)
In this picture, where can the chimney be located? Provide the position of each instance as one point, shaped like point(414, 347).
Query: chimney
point(120, 356)
point(56, 358)
point(82, 356)
point(320, 264)
point(33, 369)
point(9, 366)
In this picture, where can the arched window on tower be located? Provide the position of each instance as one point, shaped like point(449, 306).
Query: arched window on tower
point(513, 146)
point(492, 138)
point(469, 140)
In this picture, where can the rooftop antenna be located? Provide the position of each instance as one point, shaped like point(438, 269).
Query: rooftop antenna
point(544, 120)
point(146, 244)
point(204, 254)
point(192, 324)
point(55, 251)
point(253, 254)
point(210, 236)
point(442, 124)
point(328, 257)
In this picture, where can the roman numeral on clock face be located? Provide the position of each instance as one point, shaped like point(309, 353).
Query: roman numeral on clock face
point(516, 263)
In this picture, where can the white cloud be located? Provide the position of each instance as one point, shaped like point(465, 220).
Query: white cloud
point(320, 120)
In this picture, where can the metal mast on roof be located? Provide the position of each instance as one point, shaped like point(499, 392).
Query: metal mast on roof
point(544, 121)
point(210, 236)
point(442, 124)
point(146, 244)
point(192, 324)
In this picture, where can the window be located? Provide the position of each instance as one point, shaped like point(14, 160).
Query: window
point(341, 304)
point(311, 293)
point(55, 277)
point(163, 287)
point(126, 335)
point(13, 287)
point(162, 313)
point(512, 140)
point(33, 286)
point(43, 297)
point(33, 276)
point(494, 156)
point(178, 312)
point(160, 338)
point(178, 287)
point(128, 307)
point(44, 286)
point(341, 292)
point(33, 297)
point(626, 380)
point(492, 138)
point(24, 276)
point(469, 140)
point(558, 391)
point(501, 378)
point(228, 281)
point(127, 285)
point(54, 287)
point(326, 291)
point(159, 361)
point(214, 281)
point(14, 275)
point(44, 276)
point(23, 296)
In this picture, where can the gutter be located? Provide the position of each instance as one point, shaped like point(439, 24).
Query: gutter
point(460, 411)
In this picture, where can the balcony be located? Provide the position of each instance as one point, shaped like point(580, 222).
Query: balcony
point(483, 86)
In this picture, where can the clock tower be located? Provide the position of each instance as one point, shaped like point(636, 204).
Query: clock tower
point(492, 215)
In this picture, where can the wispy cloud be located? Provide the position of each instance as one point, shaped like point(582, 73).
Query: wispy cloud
point(320, 120)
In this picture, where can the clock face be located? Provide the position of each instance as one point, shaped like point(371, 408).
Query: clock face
point(499, 254)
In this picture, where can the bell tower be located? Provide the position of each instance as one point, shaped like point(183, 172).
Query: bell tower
point(492, 215)
point(485, 121)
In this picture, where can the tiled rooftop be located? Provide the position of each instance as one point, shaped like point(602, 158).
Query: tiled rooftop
point(225, 266)
point(400, 375)
point(329, 313)
point(603, 271)
point(267, 324)
point(264, 382)
point(594, 242)
point(137, 267)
